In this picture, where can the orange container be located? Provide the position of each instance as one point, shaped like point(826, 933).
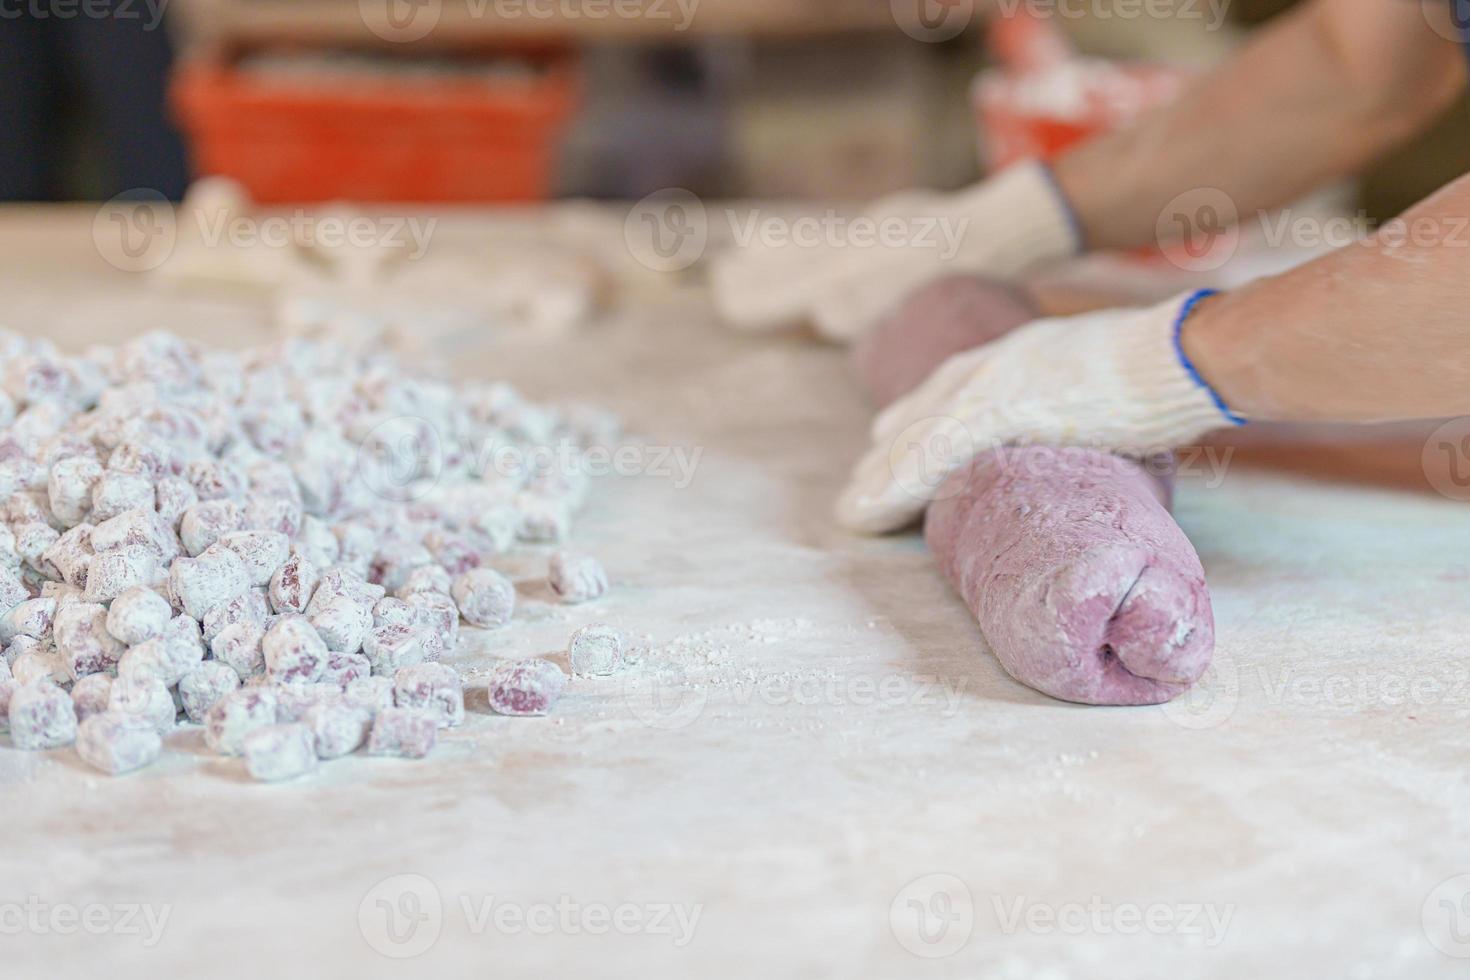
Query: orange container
point(1038, 114)
point(304, 137)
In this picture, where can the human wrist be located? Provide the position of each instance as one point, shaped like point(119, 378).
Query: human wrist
point(1214, 342)
point(1101, 218)
point(1170, 402)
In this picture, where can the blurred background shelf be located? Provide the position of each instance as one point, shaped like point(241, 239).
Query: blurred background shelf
point(373, 99)
point(461, 22)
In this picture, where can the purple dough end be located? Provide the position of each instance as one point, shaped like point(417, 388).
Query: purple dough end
point(1082, 583)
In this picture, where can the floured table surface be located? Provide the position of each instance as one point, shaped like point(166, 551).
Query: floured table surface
point(817, 770)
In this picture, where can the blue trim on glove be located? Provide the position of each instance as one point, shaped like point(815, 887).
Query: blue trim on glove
point(1073, 222)
point(1195, 298)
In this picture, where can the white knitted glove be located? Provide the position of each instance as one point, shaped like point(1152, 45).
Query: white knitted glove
point(1115, 380)
point(999, 227)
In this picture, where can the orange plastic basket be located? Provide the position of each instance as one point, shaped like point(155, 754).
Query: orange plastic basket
point(322, 138)
point(1041, 114)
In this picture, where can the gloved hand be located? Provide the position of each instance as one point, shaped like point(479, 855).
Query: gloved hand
point(1001, 227)
point(1114, 380)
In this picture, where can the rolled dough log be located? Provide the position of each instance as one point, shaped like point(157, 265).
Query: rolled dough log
point(941, 319)
point(1080, 580)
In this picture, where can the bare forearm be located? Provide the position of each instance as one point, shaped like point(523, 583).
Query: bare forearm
point(1376, 331)
point(1313, 98)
